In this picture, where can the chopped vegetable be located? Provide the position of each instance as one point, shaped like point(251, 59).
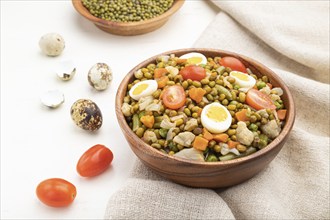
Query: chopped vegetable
point(191, 124)
point(148, 120)
point(149, 137)
point(200, 143)
point(223, 137)
point(167, 124)
point(191, 154)
point(232, 144)
point(271, 129)
point(243, 134)
point(159, 72)
point(281, 114)
point(242, 115)
point(207, 135)
point(196, 94)
point(126, 109)
point(184, 138)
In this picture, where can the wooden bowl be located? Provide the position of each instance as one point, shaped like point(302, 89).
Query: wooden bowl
point(207, 174)
point(128, 28)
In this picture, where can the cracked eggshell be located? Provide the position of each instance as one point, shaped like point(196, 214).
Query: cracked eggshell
point(66, 70)
point(100, 76)
point(86, 114)
point(52, 44)
point(52, 98)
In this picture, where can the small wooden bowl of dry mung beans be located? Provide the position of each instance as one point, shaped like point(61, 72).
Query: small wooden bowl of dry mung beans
point(204, 117)
point(127, 17)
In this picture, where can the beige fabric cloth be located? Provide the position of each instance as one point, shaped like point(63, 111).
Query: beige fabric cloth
point(293, 39)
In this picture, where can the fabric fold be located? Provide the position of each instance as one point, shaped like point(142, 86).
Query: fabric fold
point(292, 38)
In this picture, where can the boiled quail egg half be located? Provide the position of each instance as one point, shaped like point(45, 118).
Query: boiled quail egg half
point(243, 80)
point(143, 89)
point(194, 58)
point(216, 118)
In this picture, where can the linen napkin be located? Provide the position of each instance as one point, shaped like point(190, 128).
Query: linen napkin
point(292, 38)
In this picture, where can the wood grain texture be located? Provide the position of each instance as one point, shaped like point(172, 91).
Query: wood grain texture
point(128, 28)
point(203, 174)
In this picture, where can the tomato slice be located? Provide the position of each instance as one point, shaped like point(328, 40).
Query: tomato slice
point(193, 72)
point(94, 161)
point(233, 63)
point(259, 100)
point(174, 97)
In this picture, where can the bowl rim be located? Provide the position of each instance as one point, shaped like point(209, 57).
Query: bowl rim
point(290, 118)
point(177, 4)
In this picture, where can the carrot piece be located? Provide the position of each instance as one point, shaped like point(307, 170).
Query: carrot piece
point(196, 94)
point(200, 143)
point(242, 115)
point(281, 114)
point(180, 61)
point(221, 137)
point(199, 112)
point(207, 135)
point(232, 144)
point(159, 72)
point(269, 85)
point(162, 81)
point(148, 120)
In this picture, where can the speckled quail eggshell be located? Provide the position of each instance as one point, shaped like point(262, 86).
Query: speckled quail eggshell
point(100, 76)
point(66, 70)
point(86, 114)
point(52, 44)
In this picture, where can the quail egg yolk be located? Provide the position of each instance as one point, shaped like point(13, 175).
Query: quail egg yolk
point(216, 114)
point(139, 89)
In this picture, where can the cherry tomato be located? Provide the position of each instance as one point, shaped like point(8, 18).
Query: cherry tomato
point(259, 100)
point(233, 63)
point(94, 161)
point(56, 192)
point(193, 72)
point(174, 97)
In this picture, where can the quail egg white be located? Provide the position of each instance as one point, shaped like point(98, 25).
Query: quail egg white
point(194, 58)
point(52, 98)
point(52, 44)
point(243, 80)
point(86, 114)
point(143, 89)
point(216, 118)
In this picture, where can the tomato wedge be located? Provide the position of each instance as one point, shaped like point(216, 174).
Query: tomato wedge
point(193, 72)
point(174, 97)
point(233, 63)
point(259, 100)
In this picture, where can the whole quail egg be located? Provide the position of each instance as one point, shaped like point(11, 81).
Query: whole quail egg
point(86, 114)
point(52, 44)
point(100, 76)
